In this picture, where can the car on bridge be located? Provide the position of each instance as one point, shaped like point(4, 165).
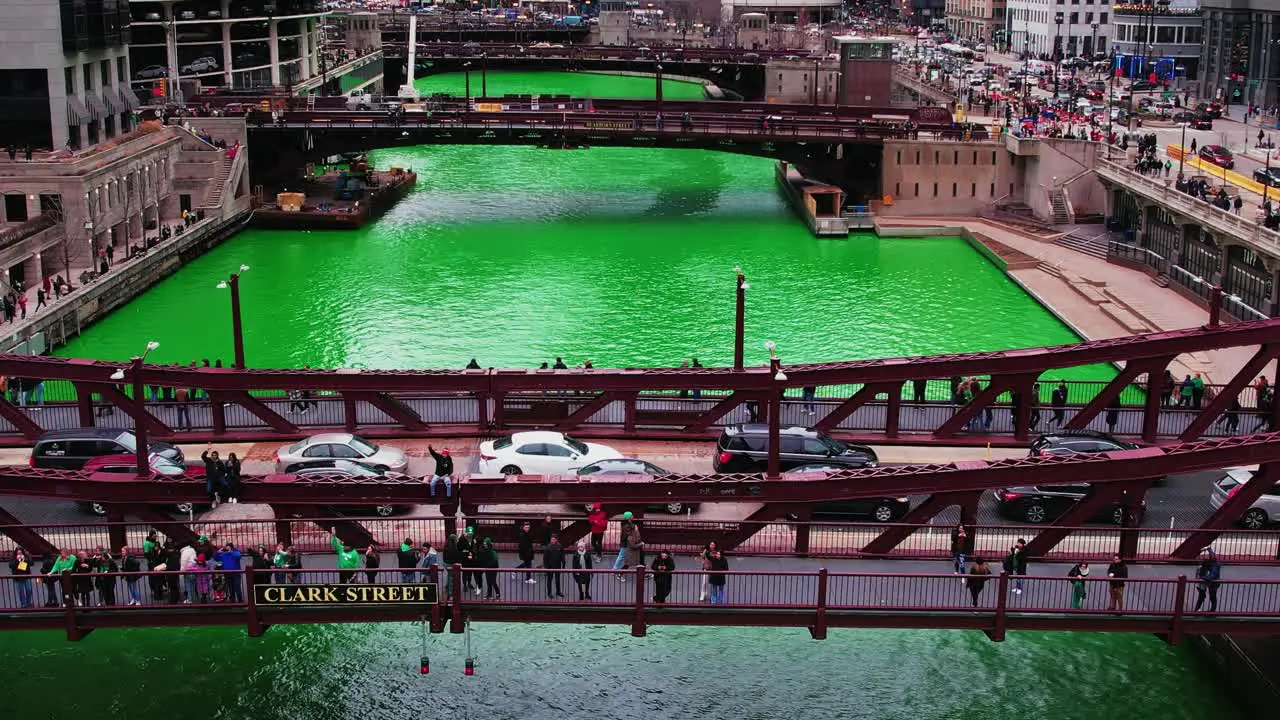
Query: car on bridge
point(1046, 503)
point(630, 466)
point(884, 509)
point(1069, 442)
point(355, 470)
point(128, 463)
point(745, 449)
point(344, 446)
point(1262, 513)
point(540, 452)
point(70, 449)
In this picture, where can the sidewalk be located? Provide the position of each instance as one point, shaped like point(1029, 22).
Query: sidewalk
point(1160, 308)
point(21, 324)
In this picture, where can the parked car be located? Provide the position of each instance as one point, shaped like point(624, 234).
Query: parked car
point(1046, 503)
point(128, 463)
point(1264, 511)
point(745, 448)
point(70, 449)
point(343, 446)
point(151, 71)
point(1218, 155)
point(629, 466)
point(1142, 86)
point(351, 469)
point(540, 452)
point(200, 65)
point(883, 510)
point(1267, 176)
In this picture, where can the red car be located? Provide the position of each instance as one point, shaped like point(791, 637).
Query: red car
point(128, 463)
point(1218, 155)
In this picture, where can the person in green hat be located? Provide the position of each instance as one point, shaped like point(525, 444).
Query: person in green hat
point(621, 560)
point(348, 559)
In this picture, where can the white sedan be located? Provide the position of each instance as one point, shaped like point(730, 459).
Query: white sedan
point(540, 452)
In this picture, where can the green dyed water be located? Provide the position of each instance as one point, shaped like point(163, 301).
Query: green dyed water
point(518, 255)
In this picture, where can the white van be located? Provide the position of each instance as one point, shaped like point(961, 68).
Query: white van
point(1038, 67)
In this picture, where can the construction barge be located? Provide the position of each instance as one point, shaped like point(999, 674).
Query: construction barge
point(343, 195)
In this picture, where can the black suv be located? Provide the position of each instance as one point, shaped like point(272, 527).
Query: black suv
point(71, 449)
point(1046, 503)
point(1067, 442)
point(745, 448)
point(882, 509)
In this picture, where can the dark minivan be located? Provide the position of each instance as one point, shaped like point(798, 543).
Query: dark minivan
point(71, 449)
point(745, 448)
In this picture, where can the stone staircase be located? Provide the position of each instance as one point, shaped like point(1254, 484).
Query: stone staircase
point(1094, 247)
point(219, 183)
point(1058, 199)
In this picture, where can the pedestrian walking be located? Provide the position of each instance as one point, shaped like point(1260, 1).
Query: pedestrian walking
point(553, 561)
point(1078, 574)
point(807, 394)
point(41, 297)
point(1237, 204)
point(1059, 402)
point(1035, 406)
point(20, 568)
point(959, 541)
point(1113, 413)
point(348, 558)
point(635, 547)
point(1015, 564)
point(717, 578)
point(623, 537)
point(372, 562)
point(599, 521)
point(1197, 391)
point(1118, 573)
point(1208, 577)
point(664, 567)
point(22, 305)
point(979, 573)
point(524, 551)
point(443, 473)
point(918, 388)
point(1231, 418)
point(1184, 392)
point(487, 558)
point(1166, 389)
point(581, 571)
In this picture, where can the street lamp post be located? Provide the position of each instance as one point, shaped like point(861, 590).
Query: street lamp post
point(774, 468)
point(1057, 52)
point(740, 317)
point(1182, 145)
point(141, 447)
point(466, 67)
point(657, 89)
point(1093, 43)
point(484, 75)
point(237, 328)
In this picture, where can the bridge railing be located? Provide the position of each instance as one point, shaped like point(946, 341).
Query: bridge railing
point(682, 535)
point(200, 592)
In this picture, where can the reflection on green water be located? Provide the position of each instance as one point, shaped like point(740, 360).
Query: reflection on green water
point(624, 256)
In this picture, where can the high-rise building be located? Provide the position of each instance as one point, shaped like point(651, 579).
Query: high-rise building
point(1240, 58)
point(239, 44)
point(1059, 28)
point(63, 72)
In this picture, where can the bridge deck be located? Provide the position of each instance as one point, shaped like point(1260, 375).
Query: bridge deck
point(758, 592)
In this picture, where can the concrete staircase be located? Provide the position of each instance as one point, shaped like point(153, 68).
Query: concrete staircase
point(219, 183)
point(1094, 246)
point(1061, 215)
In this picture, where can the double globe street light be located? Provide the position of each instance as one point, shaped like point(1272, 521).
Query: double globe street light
point(141, 450)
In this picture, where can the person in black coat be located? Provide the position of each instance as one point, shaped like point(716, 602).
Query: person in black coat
point(553, 559)
point(471, 578)
point(524, 550)
point(663, 567)
point(582, 561)
point(231, 478)
point(82, 579)
point(50, 581)
point(129, 564)
point(214, 473)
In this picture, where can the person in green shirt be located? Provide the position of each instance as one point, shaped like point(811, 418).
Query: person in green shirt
point(66, 561)
point(348, 559)
point(1197, 391)
point(279, 561)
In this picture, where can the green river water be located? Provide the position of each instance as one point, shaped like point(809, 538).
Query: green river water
point(516, 256)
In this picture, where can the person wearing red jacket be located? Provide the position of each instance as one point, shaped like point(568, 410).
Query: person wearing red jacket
point(599, 520)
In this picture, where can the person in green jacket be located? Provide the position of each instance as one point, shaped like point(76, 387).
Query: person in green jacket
point(1197, 391)
point(279, 561)
point(1078, 575)
point(348, 559)
point(66, 561)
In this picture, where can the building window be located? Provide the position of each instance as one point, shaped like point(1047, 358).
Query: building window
point(15, 208)
point(86, 71)
point(955, 158)
point(973, 190)
point(69, 80)
point(897, 189)
point(993, 190)
point(917, 157)
point(935, 189)
point(955, 189)
point(1102, 19)
point(106, 72)
point(121, 62)
point(899, 157)
point(917, 190)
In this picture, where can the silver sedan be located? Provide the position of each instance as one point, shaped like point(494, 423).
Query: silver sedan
point(344, 446)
